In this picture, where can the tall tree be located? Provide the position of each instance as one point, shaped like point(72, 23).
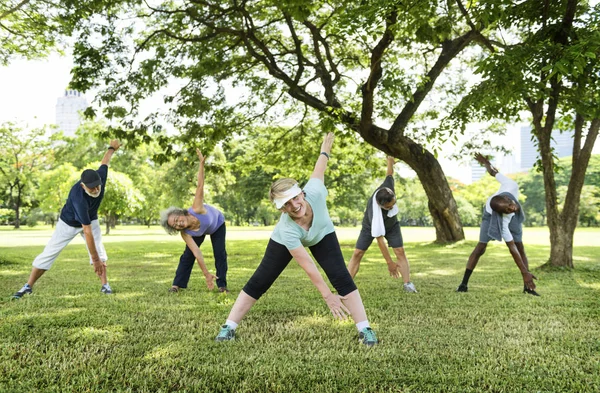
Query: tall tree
point(23, 152)
point(367, 66)
point(549, 66)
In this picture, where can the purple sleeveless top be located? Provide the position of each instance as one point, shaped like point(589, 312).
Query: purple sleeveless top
point(209, 222)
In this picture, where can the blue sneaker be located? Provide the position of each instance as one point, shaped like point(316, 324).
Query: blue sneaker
point(226, 334)
point(368, 337)
point(106, 289)
point(26, 289)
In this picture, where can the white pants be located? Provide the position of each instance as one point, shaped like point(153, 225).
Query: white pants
point(61, 237)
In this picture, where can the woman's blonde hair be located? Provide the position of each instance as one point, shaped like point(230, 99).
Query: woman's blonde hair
point(279, 187)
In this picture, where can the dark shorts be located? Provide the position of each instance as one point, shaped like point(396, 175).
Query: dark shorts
point(515, 228)
point(327, 253)
point(392, 235)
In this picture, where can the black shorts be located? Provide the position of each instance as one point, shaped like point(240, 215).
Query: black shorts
point(392, 235)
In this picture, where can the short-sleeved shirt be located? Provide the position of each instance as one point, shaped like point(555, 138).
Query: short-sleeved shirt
point(80, 208)
point(388, 222)
point(209, 222)
point(292, 235)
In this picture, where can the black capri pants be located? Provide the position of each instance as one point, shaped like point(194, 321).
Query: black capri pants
point(327, 253)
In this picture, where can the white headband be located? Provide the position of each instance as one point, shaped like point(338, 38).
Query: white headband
point(289, 194)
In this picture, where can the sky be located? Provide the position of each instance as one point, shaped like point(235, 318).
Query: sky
point(29, 89)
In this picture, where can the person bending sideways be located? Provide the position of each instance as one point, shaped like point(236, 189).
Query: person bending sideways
point(79, 215)
point(380, 222)
point(502, 219)
point(194, 224)
point(304, 222)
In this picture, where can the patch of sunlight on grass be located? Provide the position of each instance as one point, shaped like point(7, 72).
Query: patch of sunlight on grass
point(576, 258)
point(313, 320)
point(71, 296)
point(589, 285)
point(157, 255)
point(225, 300)
point(6, 273)
point(91, 333)
point(164, 352)
point(130, 295)
point(53, 314)
point(443, 272)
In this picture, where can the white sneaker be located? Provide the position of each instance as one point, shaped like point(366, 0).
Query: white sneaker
point(410, 287)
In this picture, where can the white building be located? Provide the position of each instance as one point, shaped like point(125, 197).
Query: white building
point(68, 111)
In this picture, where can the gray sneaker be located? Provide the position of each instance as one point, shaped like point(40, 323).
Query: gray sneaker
point(410, 287)
point(22, 292)
point(226, 334)
point(106, 289)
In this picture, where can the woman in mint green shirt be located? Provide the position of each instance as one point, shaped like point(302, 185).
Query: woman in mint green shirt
point(304, 222)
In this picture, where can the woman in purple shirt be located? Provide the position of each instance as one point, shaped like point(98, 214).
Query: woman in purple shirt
point(194, 224)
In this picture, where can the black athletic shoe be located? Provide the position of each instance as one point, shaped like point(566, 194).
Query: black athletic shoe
point(26, 289)
point(462, 288)
point(530, 291)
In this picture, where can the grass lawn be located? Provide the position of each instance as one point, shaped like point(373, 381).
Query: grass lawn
point(67, 337)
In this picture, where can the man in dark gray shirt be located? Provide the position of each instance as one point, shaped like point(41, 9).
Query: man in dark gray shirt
point(379, 222)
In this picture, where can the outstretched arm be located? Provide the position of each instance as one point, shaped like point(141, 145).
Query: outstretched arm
point(522, 265)
point(114, 146)
point(390, 166)
point(392, 267)
point(334, 301)
point(321, 165)
point(198, 205)
point(485, 162)
point(208, 276)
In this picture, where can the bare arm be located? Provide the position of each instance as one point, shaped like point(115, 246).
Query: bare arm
point(522, 265)
point(390, 166)
point(485, 162)
point(198, 205)
point(99, 267)
point(332, 300)
point(392, 267)
point(114, 146)
point(321, 165)
point(209, 277)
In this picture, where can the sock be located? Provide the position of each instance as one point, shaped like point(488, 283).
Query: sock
point(361, 325)
point(231, 324)
point(466, 277)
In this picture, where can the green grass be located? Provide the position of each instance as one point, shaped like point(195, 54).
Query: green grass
point(67, 337)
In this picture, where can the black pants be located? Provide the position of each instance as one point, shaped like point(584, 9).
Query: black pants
point(327, 253)
point(187, 259)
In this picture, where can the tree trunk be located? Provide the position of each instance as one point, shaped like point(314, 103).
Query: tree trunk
point(107, 222)
point(561, 247)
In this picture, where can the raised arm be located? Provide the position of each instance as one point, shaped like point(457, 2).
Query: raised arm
point(198, 205)
point(112, 148)
point(390, 166)
point(321, 165)
point(485, 162)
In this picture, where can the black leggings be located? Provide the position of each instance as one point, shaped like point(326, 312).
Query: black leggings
point(327, 253)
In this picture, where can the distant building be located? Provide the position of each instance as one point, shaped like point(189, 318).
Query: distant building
point(68, 108)
point(561, 142)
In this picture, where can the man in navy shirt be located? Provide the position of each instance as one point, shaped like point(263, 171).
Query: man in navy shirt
point(79, 215)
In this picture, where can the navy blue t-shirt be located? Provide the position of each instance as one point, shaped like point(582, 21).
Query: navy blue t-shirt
point(81, 208)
